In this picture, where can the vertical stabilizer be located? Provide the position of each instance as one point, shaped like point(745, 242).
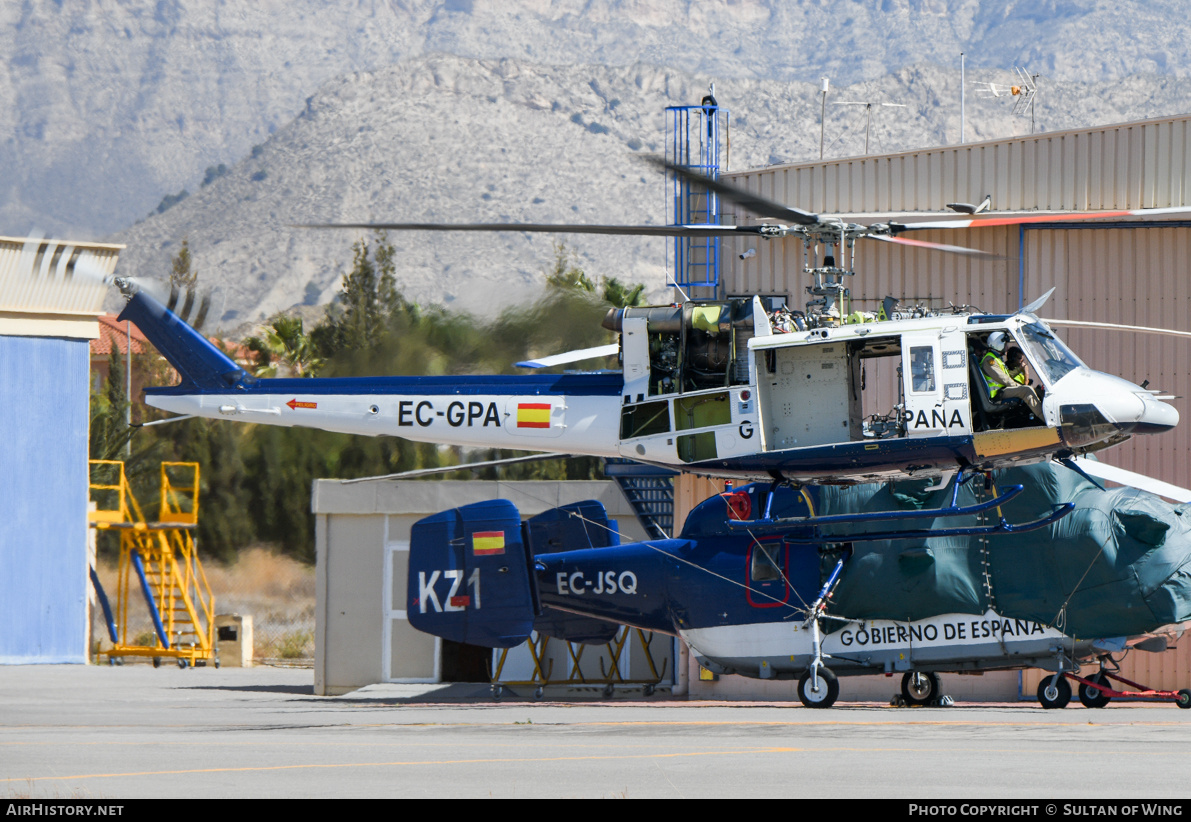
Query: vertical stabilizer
point(199, 363)
point(469, 576)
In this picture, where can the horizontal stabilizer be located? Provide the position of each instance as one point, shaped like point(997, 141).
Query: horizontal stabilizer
point(469, 576)
point(571, 528)
point(1134, 480)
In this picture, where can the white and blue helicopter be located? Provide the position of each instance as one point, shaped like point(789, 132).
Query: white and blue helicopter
point(714, 388)
point(803, 402)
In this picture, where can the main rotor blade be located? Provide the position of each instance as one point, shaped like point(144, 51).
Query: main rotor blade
point(1141, 329)
point(698, 230)
point(746, 199)
point(992, 220)
point(572, 356)
point(950, 249)
point(446, 469)
point(1134, 480)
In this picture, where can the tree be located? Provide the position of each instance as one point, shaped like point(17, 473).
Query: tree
point(109, 433)
point(565, 272)
point(366, 303)
point(284, 350)
point(181, 275)
point(623, 296)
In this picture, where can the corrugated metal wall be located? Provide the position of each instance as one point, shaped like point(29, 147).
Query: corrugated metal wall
point(43, 500)
point(1135, 165)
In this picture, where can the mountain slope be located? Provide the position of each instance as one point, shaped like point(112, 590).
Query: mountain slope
point(448, 139)
point(113, 104)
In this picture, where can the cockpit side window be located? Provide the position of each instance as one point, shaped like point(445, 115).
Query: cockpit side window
point(1047, 353)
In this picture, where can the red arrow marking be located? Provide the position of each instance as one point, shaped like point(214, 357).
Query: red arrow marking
point(295, 404)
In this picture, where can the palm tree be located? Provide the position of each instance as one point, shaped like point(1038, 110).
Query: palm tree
point(283, 350)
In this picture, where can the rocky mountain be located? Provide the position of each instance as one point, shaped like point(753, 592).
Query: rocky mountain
point(448, 139)
point(115, 103)
point(492, 109)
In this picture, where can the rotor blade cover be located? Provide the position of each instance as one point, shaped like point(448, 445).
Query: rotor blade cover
point(1119, 564)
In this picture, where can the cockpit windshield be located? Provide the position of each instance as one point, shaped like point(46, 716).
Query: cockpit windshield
point(1047, 352)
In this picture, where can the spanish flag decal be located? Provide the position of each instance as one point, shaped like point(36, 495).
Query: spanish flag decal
point(533, 415)
point(488, 543)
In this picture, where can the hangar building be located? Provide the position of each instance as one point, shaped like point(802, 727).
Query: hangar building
point(47, 318)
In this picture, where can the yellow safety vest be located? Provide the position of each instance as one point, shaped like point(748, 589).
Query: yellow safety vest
point(994, 387)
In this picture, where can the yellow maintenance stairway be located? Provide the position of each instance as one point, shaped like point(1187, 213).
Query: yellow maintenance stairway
point(158, 558)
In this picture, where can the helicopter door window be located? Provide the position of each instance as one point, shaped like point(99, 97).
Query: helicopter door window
point(768, 574)
point(922, 368)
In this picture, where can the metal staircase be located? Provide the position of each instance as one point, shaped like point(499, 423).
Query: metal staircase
point(161, 557)
point(649, 490)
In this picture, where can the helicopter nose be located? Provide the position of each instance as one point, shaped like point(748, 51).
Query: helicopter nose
point(1094, 407)
point(1156, 417)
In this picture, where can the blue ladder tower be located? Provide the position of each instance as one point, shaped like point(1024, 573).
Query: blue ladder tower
point(694, 135)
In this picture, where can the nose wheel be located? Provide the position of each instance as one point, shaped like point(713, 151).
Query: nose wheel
point(920, 688)
point(1054, 692)
point(819, 691)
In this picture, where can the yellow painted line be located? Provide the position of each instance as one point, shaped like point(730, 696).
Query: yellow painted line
point(323, 766)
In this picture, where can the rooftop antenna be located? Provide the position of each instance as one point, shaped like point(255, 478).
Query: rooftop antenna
point(822, 115)
point(1023, 92)
point(963, 87)
point(868, 114)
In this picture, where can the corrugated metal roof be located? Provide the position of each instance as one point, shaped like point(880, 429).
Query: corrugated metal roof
point(47, 276)
point(1144, 164)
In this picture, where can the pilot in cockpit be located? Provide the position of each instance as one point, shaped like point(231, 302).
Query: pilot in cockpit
point(1008, 381)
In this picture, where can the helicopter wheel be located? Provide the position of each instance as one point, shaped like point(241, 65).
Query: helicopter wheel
point(827, 693)
point(920, 688)
point(1053, 695)
point(1093, 697)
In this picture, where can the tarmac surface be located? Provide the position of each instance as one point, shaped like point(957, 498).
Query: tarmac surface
point(99, 733)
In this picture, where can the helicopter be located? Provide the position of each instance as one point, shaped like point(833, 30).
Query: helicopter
point(825, 582)
point(723, 388)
